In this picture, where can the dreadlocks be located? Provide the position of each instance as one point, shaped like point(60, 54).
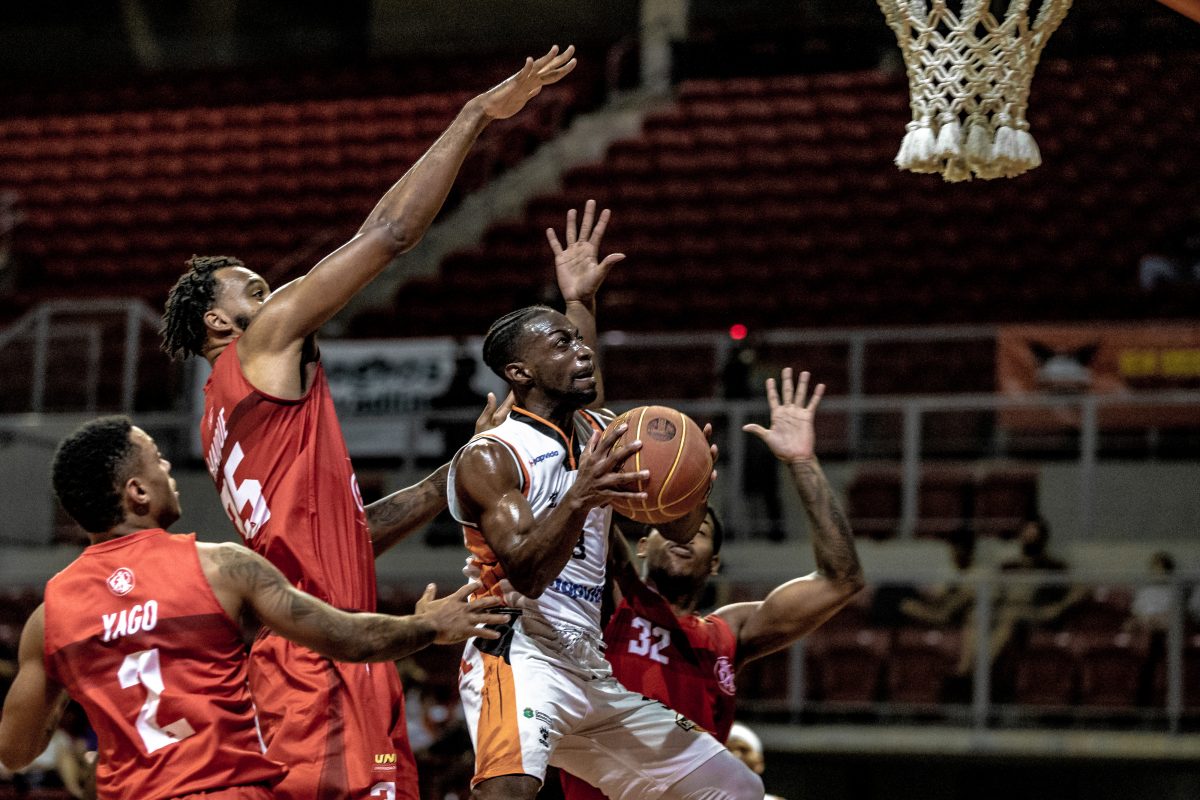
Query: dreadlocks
point(500, 344)
point(192, 295)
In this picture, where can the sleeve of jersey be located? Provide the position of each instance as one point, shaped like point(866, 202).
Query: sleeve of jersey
point(451, 495)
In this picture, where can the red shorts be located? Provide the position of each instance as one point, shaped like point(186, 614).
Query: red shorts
point(339, 728)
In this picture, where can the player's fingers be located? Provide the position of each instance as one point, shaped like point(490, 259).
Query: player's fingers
point(772, 395)
point(617, 494)
point(558, 73)
point(789, 388)
point(616, 458)
point(611, 259)
point(601, 226)
point(564, 56)
point(482, 633)
point(548, 57)
point(589, 214)
point(507, 406)
point(493, 619)
point(757, 430)
point(466, 590)
point(611, 434)
point(817, 394)
point(430, 592)
point(555, 245)
point(480, 603)
point(714, 452)
point(570, 227)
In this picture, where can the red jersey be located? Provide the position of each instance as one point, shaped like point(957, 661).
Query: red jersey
point(136, 636)
point(684, 662)
point(286, 482)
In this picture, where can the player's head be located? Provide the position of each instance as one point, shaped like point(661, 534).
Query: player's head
point(109, 471)
point(538, 349)
point(745, 744)
point(214, 300)
point(680, 569)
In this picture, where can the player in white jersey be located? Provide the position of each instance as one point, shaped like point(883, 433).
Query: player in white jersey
point(531, 495)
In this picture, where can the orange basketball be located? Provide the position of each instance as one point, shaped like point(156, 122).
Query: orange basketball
point(675, 452)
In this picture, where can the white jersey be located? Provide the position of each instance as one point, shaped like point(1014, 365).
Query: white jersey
point(546, 459)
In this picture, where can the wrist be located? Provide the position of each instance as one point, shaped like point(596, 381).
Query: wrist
point(587, 302)
point(475, 113)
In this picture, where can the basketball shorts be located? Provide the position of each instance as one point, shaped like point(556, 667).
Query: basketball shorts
point(532, 703)
point(339, 728)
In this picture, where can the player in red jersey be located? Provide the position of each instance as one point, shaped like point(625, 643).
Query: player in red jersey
point(142, 630)
point(656, 642)
point(275, 450)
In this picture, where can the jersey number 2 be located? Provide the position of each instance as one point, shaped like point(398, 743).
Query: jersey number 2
point(651, 641)
point(143, 667)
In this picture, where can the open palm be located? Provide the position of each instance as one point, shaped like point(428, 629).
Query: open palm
point(791, 435)
point(507, 98)
point(577, 266)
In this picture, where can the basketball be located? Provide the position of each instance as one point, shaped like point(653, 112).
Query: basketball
point(677, 455)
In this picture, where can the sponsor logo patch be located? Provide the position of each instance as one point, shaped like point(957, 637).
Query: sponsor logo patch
point(120, 582)
point(723, 670)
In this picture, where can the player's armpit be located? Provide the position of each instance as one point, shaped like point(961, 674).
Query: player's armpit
point(34, 703)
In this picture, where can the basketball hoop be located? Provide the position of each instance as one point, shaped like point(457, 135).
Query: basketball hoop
point(969, 75)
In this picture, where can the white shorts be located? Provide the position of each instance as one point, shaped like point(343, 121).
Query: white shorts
point(554, 704)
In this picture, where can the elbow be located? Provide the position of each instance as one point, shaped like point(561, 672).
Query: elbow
point(13, 756)
point(401, 237)
point(530, 586)
point(852, 584)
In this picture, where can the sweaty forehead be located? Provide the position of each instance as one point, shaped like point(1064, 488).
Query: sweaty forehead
point(234, 278)
point(547, 322)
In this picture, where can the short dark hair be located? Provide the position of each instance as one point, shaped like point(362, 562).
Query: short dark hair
point(718, 530)
point(500, 343)
point(89, 467)
point(183, 332)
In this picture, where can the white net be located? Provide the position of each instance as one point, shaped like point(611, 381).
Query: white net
point(969, 76)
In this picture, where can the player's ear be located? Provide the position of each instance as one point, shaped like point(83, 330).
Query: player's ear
point(641, 546)
point(218, 321)
point(135, 495)
point(715, 566)
point(517, 374)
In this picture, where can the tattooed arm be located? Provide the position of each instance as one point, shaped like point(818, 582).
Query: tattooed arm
point(396, 516)
point(801, 605)
point(245, 581)
point(34, 703)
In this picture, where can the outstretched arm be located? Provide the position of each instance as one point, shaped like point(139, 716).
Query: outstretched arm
point(799, 606)
point(242, 579)
point(393, 518)
point(395, 226)
point(580, 274)
point(34, 703)
point(534, 551)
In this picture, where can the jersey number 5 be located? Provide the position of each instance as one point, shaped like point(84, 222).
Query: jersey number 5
point(651, 641)
point(236, 497)
point(143, 667)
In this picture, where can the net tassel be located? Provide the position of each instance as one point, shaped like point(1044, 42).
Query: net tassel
point(917, 149)
point(978, 147)
point(949, 139)
point(1028, 154)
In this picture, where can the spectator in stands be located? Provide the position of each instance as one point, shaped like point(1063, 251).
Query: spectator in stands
point(1152, 603)
point(760, 470)
point(745, 744)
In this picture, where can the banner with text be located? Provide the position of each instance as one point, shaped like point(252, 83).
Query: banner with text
point(1049, 360)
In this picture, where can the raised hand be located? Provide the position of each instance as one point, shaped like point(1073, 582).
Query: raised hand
point(597, 482)
point(790, 436)
point(492, 415)
point(576, 266)
point(455, 618)
point(507, 98)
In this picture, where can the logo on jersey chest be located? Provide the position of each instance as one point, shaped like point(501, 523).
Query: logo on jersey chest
point(120, 582)
point(723, 670)
point(539, 459)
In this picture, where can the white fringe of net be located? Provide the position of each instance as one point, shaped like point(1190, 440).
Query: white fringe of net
point(969, 76)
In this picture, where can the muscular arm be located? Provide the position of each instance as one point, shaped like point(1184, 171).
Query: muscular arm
point(34, 703)
point(621, 569)
point(799, 606)
point(394, 517)
point(271, 345)
point(243, 579)
point(534, 551)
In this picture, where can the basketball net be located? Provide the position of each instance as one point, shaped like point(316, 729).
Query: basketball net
point(969, 77)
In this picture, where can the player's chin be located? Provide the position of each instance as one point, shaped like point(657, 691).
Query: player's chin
point(584, 395)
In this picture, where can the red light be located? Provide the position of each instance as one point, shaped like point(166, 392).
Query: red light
point(738, 331)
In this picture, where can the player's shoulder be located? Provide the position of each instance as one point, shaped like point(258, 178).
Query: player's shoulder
point(487, 458)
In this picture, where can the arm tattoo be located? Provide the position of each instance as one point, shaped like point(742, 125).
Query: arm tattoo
point(402, 512)
point(340, 635)
point(833, 541)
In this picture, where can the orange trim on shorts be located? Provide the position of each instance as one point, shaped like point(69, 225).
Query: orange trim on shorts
point(498, 747)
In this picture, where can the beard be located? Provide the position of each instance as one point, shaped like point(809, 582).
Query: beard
point(673, 586)
point(242, 321)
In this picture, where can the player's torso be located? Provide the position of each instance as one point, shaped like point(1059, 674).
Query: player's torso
point(286, 482)
point(135, 634)
point(547, 459)
point(685, 662)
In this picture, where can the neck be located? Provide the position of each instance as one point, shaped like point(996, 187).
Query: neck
point(128, 526)
point(558, 413)
point(682, 594)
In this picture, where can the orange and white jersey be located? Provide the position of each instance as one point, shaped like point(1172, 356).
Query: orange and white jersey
point(546, 459)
